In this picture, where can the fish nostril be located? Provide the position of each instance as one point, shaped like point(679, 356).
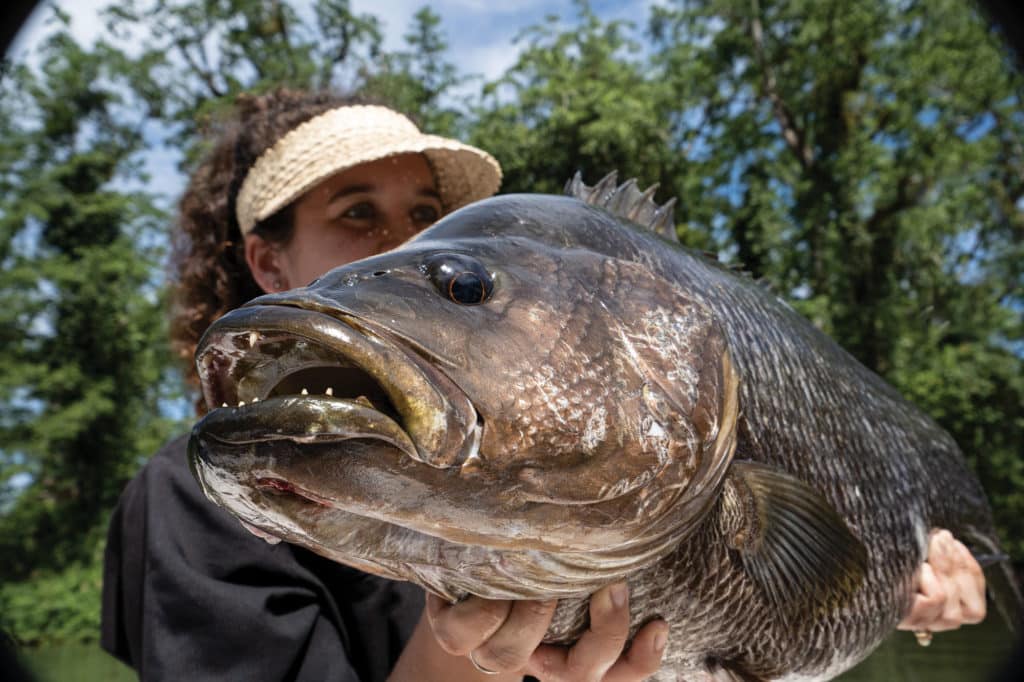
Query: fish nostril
point(380, 273)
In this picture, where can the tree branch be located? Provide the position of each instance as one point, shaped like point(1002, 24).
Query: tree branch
point(791, 133)
point(204, 75)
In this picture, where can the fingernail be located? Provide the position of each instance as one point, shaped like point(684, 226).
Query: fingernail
point(619, 594)
point(660, 640)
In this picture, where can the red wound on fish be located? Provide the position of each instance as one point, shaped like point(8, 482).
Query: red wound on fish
point(281, 487)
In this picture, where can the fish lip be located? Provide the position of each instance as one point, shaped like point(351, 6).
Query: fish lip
point(252, 350)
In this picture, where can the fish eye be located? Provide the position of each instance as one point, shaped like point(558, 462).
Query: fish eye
point(461, 279)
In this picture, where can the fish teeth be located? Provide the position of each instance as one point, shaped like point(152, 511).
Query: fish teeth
point(305, 392)
point(223, 404)
point(241, 402)
point(329, 391)
point(363, 400)
point(253, 338)
point(255, 400)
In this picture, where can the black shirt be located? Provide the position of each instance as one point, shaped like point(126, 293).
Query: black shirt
point(189, 594)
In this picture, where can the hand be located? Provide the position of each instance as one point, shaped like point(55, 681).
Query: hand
point(950, 587)
point(505, 636)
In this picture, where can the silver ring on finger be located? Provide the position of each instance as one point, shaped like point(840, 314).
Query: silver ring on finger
point(924, 637)
point(485, 671)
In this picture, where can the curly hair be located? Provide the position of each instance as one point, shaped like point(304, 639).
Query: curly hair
point(209, 274)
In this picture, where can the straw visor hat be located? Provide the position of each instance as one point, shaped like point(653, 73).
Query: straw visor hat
point(348, 136)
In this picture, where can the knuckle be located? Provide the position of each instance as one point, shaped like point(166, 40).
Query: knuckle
point(501, 657)
point(548, 671)
point(611, 631)
point(448, 640)
point(538, 609)
point(973, 567)
point(646, 666)
point(617, 639)
point(574, 669)
point(974, 616)
point(492, 614)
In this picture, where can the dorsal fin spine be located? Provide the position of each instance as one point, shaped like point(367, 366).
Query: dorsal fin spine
point(627, 201)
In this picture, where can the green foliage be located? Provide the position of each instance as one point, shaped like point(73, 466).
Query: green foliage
point(198, 57)
point(81, 316)
point(415, 81)
point(576, 99)
point(54, 607)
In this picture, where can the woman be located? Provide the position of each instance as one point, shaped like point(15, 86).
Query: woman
point(297, 184)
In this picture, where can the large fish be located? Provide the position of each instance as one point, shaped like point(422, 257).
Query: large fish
point(540, 395)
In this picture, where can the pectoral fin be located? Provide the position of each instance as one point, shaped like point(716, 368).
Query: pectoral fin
point(791, 541)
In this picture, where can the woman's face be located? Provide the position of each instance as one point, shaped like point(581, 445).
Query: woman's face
point(357, 213)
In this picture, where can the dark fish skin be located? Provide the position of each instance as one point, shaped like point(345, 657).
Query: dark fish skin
point(811, 422)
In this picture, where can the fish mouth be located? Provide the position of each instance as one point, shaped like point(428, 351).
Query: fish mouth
point(284, 373)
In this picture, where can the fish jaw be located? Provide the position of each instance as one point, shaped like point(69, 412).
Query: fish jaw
point(275, 487)
point(363, 386)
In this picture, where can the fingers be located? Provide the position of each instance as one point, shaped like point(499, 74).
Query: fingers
point(598, 653)
point(929, 602)
point(510, 647)
point(950, 588)
point(940, 554)
point(972, 585)
point(600, 646)
point(644, 656)
point(465, 625)
point(505, 636)
point(967, 589)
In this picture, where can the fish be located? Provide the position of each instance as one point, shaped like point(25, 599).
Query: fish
point(541, 395)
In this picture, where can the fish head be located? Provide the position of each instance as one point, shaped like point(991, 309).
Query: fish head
point(493, 398)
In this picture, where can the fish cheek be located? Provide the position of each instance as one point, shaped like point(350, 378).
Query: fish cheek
point(680, 351)
point(657, 359)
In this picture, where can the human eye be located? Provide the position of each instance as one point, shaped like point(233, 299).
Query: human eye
point(425, 213)
point(364, 210)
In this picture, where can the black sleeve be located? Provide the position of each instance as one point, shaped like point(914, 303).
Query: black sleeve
point(188, 594)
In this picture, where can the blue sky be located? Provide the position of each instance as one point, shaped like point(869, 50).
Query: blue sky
point(480, 36)
point(479, 32)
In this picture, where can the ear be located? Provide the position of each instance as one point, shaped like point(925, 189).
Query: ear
point(265, 263)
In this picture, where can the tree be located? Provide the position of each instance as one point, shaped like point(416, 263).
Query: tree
point(84, 365)
point(417, 81)
point(200, 56)
point(576, 99)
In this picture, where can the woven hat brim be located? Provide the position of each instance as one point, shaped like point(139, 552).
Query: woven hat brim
point(463, 173)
